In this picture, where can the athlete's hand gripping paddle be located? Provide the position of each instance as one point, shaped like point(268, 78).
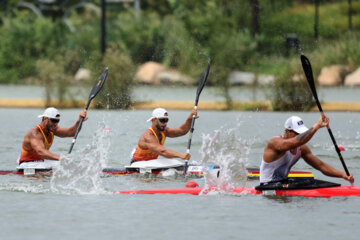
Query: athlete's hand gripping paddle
point(198, 92)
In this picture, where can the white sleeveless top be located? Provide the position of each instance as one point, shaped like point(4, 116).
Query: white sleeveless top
point(279, 169)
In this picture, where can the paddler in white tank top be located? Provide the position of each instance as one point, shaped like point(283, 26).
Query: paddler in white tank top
point(282, 152)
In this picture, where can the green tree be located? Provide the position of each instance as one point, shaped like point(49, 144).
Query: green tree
point(117, 89)
point(25, 39)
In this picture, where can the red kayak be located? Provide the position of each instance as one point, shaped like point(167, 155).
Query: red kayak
point(334, 191)
point(341, 191)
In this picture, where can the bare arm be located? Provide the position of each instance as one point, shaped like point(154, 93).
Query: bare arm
point(70, 132)
point(324, 167)
point(277, 146)
point(184, 128)
point(150, 142)
point(280, 144)
point(36, 142)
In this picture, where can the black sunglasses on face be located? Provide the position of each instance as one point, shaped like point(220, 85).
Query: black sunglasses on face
point(163, 120)
point(54, 120)
point(294, 132)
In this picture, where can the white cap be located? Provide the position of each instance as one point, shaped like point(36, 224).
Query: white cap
point(295, 124)
point(50, 113)
point(158, 113)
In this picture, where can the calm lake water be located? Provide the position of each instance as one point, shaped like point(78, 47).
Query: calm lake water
point(80, 205)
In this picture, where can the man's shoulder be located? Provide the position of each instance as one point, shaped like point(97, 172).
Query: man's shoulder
point(147, 132)
point(274, 139)
point(34, 131)
point(147, 136)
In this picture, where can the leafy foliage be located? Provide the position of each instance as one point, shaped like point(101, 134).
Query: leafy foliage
point(291, 90)
point(117, 90)
point(182, 34)
point(25, 39)
point(54, 79)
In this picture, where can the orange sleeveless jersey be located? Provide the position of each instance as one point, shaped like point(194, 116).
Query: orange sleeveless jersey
point(31, 155)
point(144, 154)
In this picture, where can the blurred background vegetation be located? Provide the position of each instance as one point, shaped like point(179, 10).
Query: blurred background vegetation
point(48, 46)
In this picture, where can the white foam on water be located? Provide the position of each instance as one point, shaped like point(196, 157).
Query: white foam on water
point(230, 153)
point(24, 187)
point(80, 173)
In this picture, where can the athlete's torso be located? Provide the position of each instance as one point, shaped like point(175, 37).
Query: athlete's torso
point(31, 155)
point(144, 154)
point(279, 169)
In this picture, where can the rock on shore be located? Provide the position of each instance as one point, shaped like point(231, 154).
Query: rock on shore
point(353, 79)
point(333, 75)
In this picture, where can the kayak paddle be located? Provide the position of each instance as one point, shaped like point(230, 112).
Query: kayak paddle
point(198, 92)
point(95, 90)
point(309, 76)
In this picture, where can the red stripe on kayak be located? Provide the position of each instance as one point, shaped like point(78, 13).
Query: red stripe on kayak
point(192, 191)
point(10, 172)
point(297, 172)
point(342, 191)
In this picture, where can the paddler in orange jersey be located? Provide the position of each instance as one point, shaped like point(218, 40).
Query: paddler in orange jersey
point(282, 152)
point(151, 142)
point(38, 140)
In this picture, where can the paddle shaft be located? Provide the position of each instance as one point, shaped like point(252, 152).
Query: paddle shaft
point(76, 134)
point(191, 132)
point(333, 139)
point(95, 90)
point(79, 127)
point(309, 76)
point(189, 142)
point(198, 92)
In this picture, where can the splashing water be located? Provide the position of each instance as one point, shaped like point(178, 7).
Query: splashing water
point(80, 173)
point(231, 154)
point(33, 187)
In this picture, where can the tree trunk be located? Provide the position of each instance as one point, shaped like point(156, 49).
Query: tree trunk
point(350, 16)
point(255, 10)
point(316, 25)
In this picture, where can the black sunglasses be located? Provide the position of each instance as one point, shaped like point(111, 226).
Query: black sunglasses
point(294, 132)
point(163, 120)
point(54, 120)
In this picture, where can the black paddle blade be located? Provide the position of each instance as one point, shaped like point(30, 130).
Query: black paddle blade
point(97, 87)
point(308, 73)
point(310, 78)
point(99, 83)
point(202, 83)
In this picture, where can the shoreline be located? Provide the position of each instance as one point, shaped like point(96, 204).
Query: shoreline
point(178, 105)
